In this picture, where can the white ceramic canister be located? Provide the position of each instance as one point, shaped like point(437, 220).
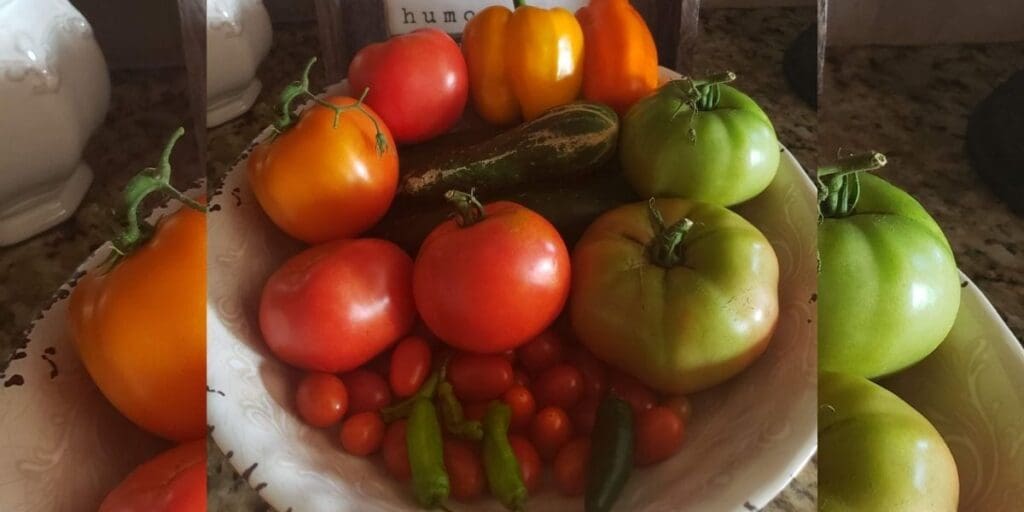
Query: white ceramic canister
point(54, 92)
point(238, 37)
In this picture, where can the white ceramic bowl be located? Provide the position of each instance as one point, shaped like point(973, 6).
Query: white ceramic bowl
point(745, 442)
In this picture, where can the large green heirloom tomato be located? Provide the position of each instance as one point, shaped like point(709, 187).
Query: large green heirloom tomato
point(680, 294)
point(876, 453)
point(888, 286)
point(699, 140)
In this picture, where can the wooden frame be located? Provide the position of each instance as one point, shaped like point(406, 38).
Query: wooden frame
point(347, 25)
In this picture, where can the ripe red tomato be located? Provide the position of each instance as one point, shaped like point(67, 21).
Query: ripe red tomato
point(560, 385)
point(628, 388)
point(396, 452)
point(520, 401)
point(584, 415)
point(529, 461)
point(418, 83)
point(475, 410)
point(680, 405)
point(494, 282)
point(595, 373)
point(337, 305)
point(410, 364)
point(367, 391)
point(659, 434)
point(541, 352)
point(322, 399)
point(549, 430)
point(362, 434)
point(571, 467)
point(174, 481)
point(465, 469)
point(478, 378)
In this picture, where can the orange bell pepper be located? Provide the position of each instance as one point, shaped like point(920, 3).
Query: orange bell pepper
point(522, 62)
point(621, 62)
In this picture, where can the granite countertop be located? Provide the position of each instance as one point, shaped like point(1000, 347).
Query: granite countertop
point(750, 42)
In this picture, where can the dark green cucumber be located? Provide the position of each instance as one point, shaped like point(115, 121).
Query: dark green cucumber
point(569, 140)
point(569, 204)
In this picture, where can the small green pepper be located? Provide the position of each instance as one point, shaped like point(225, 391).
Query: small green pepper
point(426, 455)
point(454, 418)
point(403, 408)
point(500, 464)
point(611, 457)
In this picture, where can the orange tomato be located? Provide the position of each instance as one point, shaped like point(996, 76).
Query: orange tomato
point(319, 181)
point(140, 329)
point(174, 481)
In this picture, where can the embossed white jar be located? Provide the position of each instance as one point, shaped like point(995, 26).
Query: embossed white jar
point(54, 92)
point(238, 37)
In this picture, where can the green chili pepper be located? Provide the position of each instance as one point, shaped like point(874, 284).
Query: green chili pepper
point(454, 418)
point(500, 464)
point(611, 456)
point(403, 408)
point(426, 455)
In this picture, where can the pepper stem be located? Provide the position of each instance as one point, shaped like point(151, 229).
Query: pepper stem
point(468, 210)
point(839, 184)
point(666, 247)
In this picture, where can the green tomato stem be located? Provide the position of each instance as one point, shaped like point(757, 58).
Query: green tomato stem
point(468, 210)
point(518, 3)
point(666, 248)
point(839, 184)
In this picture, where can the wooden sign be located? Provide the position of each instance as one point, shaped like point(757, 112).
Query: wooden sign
point(451, 15)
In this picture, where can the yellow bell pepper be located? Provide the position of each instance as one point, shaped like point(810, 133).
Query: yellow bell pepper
point(522, 62)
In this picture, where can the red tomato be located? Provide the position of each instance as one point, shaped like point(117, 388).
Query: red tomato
point(396, 452)
point(465, 469)
point(367, 391)
point(418, 83)
point(680, 405)
point(584, 415)
point(571, 467)
point(362, 434)
point(560, 385)
point(520, 378)
point(322, 399)
point(478, 378)
point(626, 387)
point(595, 373)
point(520, 401)
point(475, 410)
point(529, 461)
point(174, 481)
point(493, 283)
point(541, 352)
point(659, 434)
point(337, 305)
point(410, 364)
point(549, 430)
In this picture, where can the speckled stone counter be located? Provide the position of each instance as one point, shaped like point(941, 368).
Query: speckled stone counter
point(750, 42)
point(913, 104)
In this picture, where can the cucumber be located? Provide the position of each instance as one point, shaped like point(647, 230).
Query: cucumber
point(569, 204)
point(566, 141)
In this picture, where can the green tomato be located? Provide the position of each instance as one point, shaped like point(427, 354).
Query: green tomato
point(888, 287)
point(681, 142)
point(876, 453)
point(682, 295)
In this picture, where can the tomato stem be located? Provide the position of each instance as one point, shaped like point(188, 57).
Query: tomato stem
point(147, 181)
point(300, 87)
point(468, 210)
point(839, 184)
point(518, 3)
point(666, 248)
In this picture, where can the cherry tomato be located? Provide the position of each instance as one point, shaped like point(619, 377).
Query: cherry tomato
point(475, 410)
point(319, 180)
point(478, 377)
point(367, 391)
point(396, 452)
point(174, 481)
point(418, 82)
point(541, 352)
point(335, 306)
point(640, 397)
point(680, 405)
point(322, 399)
point(140, 329)
point(561, 385)
point(520, 401)
point(362, 434)
point(595, 373)
point(465, 469)
point(659, 434)
point(492, 279)
point(570, 467)
point(520, 378)
point(529, 461)
point(549, 430)
point(410, 364)
point(584, 415)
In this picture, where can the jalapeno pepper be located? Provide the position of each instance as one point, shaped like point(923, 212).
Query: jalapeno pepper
point(500, 464)
point(403, 408)
point(611, 456)
point(426, 455)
